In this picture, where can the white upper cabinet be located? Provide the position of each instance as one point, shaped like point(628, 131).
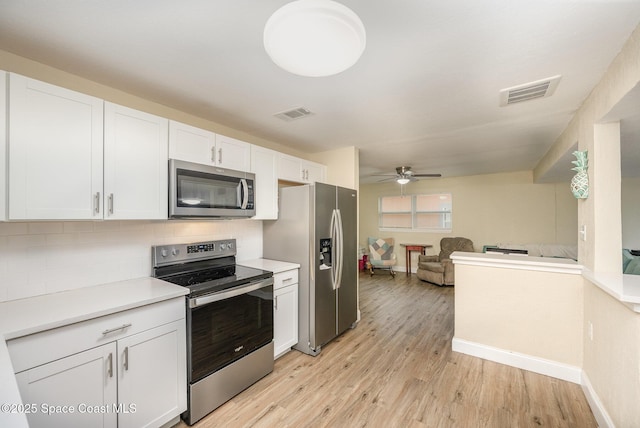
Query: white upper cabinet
point(232, 153)
point(291, 168)
point(55, 152)
point(264, 164)
point(3, 145)
point(192, 144)
point(135, 164)
point(314, 172)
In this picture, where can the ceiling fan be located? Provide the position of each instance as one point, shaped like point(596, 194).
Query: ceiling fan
point(404, 174)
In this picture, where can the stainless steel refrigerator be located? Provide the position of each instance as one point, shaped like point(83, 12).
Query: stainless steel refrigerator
point(317, 228)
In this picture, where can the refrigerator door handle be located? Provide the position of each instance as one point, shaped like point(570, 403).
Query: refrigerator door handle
point(340, 249)
point(334, 249)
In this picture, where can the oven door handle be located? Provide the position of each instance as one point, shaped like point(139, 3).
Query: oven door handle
point(252, 286)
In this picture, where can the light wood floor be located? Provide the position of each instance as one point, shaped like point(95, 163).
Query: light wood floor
point(396, 369)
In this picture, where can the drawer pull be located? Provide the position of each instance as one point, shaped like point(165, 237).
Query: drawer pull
point(112, 330)
point(287, 279)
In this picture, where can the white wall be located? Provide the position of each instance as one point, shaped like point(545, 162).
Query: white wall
point(47, 257)
point(487, 209)
point(533, 313)
point(343, 166)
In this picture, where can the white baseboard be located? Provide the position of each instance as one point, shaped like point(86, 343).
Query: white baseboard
point(599, 412)
point(521, 361)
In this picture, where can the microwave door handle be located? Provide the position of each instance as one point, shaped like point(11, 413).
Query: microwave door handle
point(244, 193)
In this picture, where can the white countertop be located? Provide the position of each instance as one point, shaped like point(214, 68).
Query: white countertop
point(35, 314)
point(625, 288)
point(275, 266)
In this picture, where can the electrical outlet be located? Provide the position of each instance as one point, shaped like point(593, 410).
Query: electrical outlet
point(590, 332)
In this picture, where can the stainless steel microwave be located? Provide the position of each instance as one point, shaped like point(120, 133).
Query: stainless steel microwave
point(201, 191)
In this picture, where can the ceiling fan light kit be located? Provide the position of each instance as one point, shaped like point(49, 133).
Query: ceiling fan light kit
point(314, 38)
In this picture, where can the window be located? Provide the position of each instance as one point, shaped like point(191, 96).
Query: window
point(430, 212)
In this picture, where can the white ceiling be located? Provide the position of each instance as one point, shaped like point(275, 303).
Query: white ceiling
point(425, 92)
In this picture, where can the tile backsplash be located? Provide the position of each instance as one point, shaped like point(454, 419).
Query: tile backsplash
point(47, 257)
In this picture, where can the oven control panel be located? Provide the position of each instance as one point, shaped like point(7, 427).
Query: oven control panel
point(177, 253)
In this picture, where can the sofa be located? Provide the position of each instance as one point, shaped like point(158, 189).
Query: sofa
point(540, 250)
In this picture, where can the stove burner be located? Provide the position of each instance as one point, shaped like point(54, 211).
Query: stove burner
point(209, 270)
point(194, 278)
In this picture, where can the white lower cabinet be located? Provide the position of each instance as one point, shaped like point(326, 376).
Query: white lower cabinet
point(285, 311)
point(150, 379)
point(137, 378)
point(75, 391)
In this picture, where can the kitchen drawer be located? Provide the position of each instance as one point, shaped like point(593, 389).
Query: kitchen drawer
point(40, 348)
point(284, 279)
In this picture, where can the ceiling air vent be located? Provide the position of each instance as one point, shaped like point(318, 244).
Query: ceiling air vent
point(529, 91)
point(296, 113)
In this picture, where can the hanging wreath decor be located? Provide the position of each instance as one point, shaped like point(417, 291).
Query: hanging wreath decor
point(580, 181)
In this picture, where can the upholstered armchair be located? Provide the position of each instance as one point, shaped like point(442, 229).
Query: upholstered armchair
point(381, 255)
point(439, 269)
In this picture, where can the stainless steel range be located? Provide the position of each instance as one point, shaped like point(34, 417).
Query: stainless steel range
point(229, 320)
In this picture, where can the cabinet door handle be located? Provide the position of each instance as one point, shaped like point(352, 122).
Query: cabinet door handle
point(110, 203)
point(220, 155)
point(97, 203)
point(126, 358)
point(111, 330)
point(213, 154)
point(110, 363)
point(275, 302)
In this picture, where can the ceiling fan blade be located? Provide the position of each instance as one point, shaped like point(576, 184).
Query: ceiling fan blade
point(387, 179)
point(384, 175)
point(427, 175)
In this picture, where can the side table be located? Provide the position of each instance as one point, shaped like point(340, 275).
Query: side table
point(413, 247)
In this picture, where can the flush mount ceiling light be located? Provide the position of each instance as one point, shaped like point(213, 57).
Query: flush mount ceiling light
point(314, 38)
